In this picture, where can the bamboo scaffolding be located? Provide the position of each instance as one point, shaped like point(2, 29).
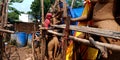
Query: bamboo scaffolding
point(95, 31)
point(85, 41)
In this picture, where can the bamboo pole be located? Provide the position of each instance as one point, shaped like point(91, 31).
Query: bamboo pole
point(5, 22)
point(33, 50)
point(1, 43)
point(91, 30)
point(55, 4)
point(42, 8)
point(87, 42)
point(66, 30)
point(43, 41)
point(64, 8)
point(72, 3)
point(2, 26)
point(65, 38)
point(6, 13)
point(7, 31)
point(3, 13)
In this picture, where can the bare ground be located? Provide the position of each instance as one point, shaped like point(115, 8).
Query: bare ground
point(22, 53)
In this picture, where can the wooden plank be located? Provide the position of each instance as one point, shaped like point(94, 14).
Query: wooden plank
point(95, 31)
point(85, 41)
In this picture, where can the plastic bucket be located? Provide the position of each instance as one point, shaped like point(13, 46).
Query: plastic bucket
point(21, 39)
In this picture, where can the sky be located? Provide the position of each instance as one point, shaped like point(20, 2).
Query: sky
point(24, 6)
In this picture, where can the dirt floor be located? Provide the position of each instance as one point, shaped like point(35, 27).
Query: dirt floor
point(15, 53)
point(22, 53)
point(25, 53)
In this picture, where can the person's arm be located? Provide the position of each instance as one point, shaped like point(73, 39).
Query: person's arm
point(89, 15)
point(79, 18)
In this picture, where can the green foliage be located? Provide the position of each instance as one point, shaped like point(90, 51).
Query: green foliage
point(13, 1)
point(13, 12)
point(13, 15)
point(36, 7)
point(29, 12)
point(12, 9)
point(47, 5)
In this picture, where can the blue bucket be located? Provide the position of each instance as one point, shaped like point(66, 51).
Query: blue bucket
point(21, 39)
point(29, 39)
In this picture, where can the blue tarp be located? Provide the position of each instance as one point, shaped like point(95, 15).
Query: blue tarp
point(74, 13)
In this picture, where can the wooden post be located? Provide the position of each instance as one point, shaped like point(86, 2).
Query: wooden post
point(1, 43)
point(2, 17)
point(42, 8)
point(33, 37)
point(66, 30)
point(6, 12)
point(65, 38)
point(43, 42)
point(5, 18)
point(33, 50)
